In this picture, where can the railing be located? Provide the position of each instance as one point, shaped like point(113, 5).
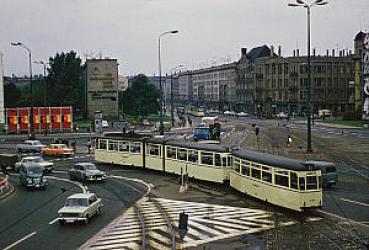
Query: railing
point(4, 184)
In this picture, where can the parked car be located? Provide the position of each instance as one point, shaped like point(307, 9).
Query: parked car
point(80, 207)
point(146, 122)
point(47, 166)
point(86, 172)
point(57, 149)
point(229, 113)
point(30, 146)
point(167, 127)
point(8, 160)
point(242, 114)
point(282, 115)
point(32, 176)
point(105, 124)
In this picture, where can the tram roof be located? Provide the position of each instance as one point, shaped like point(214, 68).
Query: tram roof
point(320, 163)
point(271, 160)
point(198, 146)
point(125, 136)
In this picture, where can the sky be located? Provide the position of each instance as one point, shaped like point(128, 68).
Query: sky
point(210, 31)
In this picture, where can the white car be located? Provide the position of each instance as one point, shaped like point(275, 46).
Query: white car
point(86, 172)
point(30, 146)
point(282, 115)
point(105, 124)
point(80, 207)
point(242, 114)
point(229, 113)
point(47, 166)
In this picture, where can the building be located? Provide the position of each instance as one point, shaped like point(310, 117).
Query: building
point(122, 83)
point(184, 96)
point(102, 87)
point(2, 104)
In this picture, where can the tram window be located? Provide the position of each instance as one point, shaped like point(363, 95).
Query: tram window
point(135, 147)
point(182, 154)
point(237, 168)
point(123, 146)
point(207, 158)
point(302, 183)
point(224, 161)
point(192, 155)
point(171, 152)
point(255, 173)
point(217, 160)
point(153, 149)
point(311, 182)
point(102, 144)
point(113, 145)
point(245, 170)
point(294, 180)
point(267, 176)
point(281, 180)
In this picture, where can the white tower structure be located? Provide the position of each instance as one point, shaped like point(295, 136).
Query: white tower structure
point(2, 110)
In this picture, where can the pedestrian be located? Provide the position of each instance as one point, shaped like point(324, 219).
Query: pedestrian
point(289, 140)
point(89, 147)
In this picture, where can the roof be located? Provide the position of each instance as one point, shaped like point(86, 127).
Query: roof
point(257, 52)
point(32, 157)
point(319, 164)
point(81, 195)
point(126, 136)
point(359, 36)
point(272, 160)
point(199, 146)
point(84, 164)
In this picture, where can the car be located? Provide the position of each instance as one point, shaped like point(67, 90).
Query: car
point(80, 207)
point(229, 113)
point(46, 166)
point(30, 146)
point(146, 122)
point(32, 176)
point(282, 115)
point(86, 172)
point(57, 150)
point(105, 124)
point(242, 114)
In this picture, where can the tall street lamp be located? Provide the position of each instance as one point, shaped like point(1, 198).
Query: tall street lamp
point(22, 45)
point(171, 91)
point(304, 4)
point(44, 65)
point(161, 128)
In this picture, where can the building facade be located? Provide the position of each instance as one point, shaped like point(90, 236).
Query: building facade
point(2, 104)
point(102, 87)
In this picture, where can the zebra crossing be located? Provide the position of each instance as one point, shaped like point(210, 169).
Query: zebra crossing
point(206, 223)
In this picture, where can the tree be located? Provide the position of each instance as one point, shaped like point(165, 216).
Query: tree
point(64, 82)
point(11, 95)
point(141, 99)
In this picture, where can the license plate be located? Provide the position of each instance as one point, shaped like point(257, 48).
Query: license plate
point(37, 185)
point(69, 220)
point(99, 178)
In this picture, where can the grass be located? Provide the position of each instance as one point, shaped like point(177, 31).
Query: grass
point(83, 123)
point(152, 118)
point(353, 123)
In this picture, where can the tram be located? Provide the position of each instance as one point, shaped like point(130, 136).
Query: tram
point(277, 180)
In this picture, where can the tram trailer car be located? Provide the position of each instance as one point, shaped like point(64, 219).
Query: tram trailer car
point(278, 180)
point(122, 149)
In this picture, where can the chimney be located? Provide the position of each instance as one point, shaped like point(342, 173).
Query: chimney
point(297, 52)
point(333, 53)
point(294, 53)
point(279, 51)
point(314, 52)
point(327, 52)
point(243, 51)
point(271, 51)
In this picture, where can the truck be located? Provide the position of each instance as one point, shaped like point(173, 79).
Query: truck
point(203, 132)
point(30, 146)
point(8, 160)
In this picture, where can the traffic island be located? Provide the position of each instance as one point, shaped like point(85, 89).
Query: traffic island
point(6, 188)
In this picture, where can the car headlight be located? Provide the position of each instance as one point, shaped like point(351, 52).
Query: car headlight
point(29, 180)
point(44, 179)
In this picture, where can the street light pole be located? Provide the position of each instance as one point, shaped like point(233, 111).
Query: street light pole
point(302, 3)
point(161, 128)
point(18, 44)
point(44, 65)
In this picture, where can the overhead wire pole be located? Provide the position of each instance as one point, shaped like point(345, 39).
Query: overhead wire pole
point(18, 44)
point(302, 3)
point(161, 128)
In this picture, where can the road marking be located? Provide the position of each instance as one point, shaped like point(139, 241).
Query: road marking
point(206, 223)
point(84, 188)
point(53, 221)
point(355, 202)
point(20, 240)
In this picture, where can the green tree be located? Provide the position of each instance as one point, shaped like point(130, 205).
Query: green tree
point(11, 95)
point(64, 82)
point(141, 99)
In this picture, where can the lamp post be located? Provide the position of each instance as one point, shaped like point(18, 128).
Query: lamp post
point(22, 45)
point(161, 128)
point(304, 4)
point(44, 65)
point(171, 91)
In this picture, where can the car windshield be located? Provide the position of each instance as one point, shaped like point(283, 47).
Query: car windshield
point(76, 202)
point(62, 146)
point(34, 170)
point(89, 167)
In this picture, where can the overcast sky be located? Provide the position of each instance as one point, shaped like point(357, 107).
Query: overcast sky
point(210, 31)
